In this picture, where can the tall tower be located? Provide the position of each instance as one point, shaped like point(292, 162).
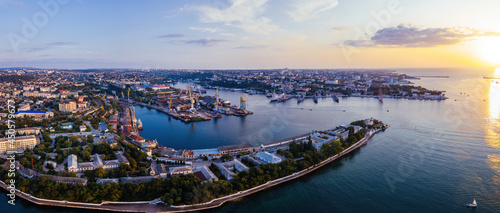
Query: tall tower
point(243, 101)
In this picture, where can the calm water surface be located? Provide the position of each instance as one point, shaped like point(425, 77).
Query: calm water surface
point(435, 157)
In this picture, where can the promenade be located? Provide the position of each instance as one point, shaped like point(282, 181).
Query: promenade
point(146, 206)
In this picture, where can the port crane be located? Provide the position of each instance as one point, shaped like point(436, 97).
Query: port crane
point(217, 99)
point(128, 95)
point(191, 97)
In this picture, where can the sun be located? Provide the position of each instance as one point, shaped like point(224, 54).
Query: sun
point(489, 50)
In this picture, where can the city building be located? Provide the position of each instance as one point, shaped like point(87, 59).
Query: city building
point(209, 175)
point(25, 131)
point(268, 157)
point(68, 106)
point(62, 179)
point(24, 107)
point(235, 148)
point(180, 170)
point(20, 142)
point(97, 162)
point(34, 114)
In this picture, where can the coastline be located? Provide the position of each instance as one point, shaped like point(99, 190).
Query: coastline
point(147, 206)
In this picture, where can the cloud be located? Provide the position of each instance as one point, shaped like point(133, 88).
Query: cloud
point(205, 41)
point(206, 29)
point(244, 14)
point(52, 45)
point(305, 10)
point(410, 36)
point(176, 35)
point(252, 47)
point(340, 28)
point(61, 44)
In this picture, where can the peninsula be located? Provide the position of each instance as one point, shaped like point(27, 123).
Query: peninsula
point(233, 172)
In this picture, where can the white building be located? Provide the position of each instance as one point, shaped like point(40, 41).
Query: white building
point(72, 163)
point(268, 157)
point(208, 174)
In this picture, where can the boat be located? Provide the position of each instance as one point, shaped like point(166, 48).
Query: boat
point(473, 204)
point(380, 96)
point(279, 98)
point(300, 98)
point(139, 124)
point(335, 98)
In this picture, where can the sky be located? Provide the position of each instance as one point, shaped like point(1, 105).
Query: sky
point(249, 34)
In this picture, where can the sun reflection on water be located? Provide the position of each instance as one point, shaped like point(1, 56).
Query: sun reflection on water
point(494, 96)
point(493, 128)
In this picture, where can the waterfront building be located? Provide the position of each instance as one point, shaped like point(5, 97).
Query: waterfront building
point(319, 139)
point(206, 152)
point(61, 179)
point(20, 142)
point(369, 121)
point(235, 148)
point(268, 157)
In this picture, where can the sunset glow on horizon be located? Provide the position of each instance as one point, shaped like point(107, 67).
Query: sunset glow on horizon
point(248, 34)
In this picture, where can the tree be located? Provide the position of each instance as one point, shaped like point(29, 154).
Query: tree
point(99, 172)
point(90, 139)
point(226, 157)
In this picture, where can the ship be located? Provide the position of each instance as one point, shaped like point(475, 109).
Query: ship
point(279, 98)
point(270, 95)
point(139, 124)
point(335, 98)
point(300, 98)
point(380, 95)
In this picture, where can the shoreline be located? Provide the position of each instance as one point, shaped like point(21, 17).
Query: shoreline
point(146, 206)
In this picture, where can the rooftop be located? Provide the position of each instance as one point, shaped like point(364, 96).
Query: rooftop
point(29, 112)
point(233, 147)
point(205, 151)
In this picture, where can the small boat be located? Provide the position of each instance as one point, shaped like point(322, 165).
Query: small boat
point(380, 96)
point(473, 204)
point(335, 98)
point(300, 98)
